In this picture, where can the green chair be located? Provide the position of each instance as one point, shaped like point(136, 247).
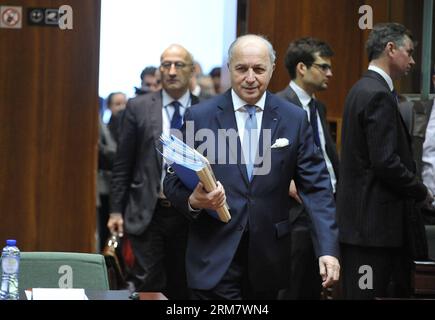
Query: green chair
point(63, 270)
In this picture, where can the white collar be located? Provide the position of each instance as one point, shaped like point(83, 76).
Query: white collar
point(303, 96)
point(184, 100)
point(384, 75)
point(238, 103)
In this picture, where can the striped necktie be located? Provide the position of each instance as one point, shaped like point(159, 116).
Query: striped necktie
point(176, 121)
point(313, 122)
point(250, 140)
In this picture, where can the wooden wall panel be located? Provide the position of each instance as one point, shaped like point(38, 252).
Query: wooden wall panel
point(48, 130)
point(336, 22)
point(333, 21)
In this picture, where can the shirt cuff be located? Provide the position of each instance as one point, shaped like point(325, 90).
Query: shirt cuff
point(193, 212)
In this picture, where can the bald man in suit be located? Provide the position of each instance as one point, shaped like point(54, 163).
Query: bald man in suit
point(155, 228)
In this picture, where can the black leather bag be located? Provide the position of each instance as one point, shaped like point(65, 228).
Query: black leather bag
point(114, 270)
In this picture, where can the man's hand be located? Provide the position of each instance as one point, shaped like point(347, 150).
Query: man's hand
point(116, 224)
point(329, 270)
point(293, 192)
point(200, 199)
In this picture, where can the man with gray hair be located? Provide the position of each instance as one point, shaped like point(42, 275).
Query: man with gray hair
point(249, 257)
point(378, 186)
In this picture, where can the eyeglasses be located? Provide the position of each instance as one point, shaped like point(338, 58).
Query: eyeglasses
point(323, 66)
point(178, 65)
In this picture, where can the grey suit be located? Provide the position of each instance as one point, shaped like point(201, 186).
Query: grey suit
point(416, 115)
point(138, 166)
point(157, 230)
point(305, 281)
point(417, 125)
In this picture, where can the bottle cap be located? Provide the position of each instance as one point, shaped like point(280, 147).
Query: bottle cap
point(11, 242)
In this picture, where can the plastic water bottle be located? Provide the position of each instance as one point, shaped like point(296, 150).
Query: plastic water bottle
point(10, 266)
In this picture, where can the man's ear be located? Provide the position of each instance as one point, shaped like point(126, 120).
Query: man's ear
point(301, 69)
point(389, 47)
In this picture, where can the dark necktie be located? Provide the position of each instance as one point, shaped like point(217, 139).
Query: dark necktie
point(250, 140)
point(313, 122)
point(176, 121)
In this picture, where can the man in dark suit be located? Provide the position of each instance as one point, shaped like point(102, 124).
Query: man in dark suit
point(378, 186)
point(156, 230)
point(249, 257)
point(308, 62)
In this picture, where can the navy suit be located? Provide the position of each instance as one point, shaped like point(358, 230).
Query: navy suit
point(260, 207)
point(305, 281)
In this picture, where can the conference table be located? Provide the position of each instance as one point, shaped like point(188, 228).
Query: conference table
point(124, 295)
point(117, 295)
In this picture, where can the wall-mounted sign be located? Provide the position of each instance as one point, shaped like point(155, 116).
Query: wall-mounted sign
point(61, 17)
point(36, 16)
point(43, 17)
point(52, 17)
point(11, 17)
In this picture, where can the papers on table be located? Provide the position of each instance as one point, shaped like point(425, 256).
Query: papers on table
point(56, 294)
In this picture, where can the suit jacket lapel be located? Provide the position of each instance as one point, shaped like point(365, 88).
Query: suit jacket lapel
point(227, 120)
point(270, 122)
point(291, 95)
point(377, 76)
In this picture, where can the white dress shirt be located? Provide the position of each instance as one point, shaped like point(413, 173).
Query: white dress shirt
point(167, 113)
point(305, 99)
point(428, 160)
point(168, 109)
point(383, 75)
point(242, 115)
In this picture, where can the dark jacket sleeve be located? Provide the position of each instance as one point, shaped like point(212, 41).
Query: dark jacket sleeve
point(106, 148)
point(314, 187)
point(381, 118)
point(124, 161)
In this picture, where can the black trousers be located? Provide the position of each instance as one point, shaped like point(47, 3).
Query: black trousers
point(235, 284)
point(160, 255)
point(305, 281)
point(372, 272)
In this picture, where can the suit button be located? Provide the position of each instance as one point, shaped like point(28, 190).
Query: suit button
point(240, 228)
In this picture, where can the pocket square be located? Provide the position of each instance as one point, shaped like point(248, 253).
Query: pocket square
point(279, 143)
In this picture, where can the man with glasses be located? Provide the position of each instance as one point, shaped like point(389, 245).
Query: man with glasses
point(378, 187)
point(308, 62)
point(157, 231)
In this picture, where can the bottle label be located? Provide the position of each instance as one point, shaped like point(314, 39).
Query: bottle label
point(10, 265)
